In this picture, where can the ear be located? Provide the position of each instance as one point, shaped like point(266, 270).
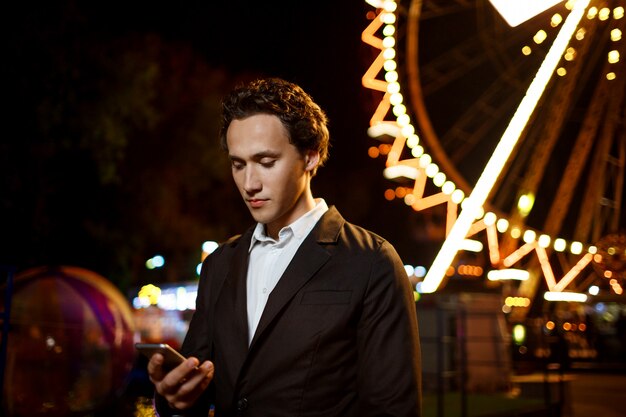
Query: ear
point(311, 159)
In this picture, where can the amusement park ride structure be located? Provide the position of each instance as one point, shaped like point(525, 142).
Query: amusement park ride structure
point(520, 131)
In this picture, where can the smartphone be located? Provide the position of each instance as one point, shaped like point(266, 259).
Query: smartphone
point(171, 357)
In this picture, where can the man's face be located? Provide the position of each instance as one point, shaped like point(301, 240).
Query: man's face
point(272, 175)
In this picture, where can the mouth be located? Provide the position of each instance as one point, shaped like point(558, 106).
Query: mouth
point(256, 203)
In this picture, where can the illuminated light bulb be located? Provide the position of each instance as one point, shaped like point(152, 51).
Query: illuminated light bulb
point(569, 4)
point(412, 141)
point(399, 109)
point(390, 6)
point(395, 99)
point(592, 250)
point(576, 248)
point(391, 76)
point(490, 218)
point(417, 151)
point(389, 42)
point(389, 53)
point(389, 18)
point(544, 241)
point(556, 20)
point(525, 204)
point(400, 192)
point(393, 88)
point(409, 199)
point(613, 57)
point(592, 12)
point(439, 179)
point(389, 194)
point(580, 34)
point(594, 290)
point(597, 258)
point(425, 160)
point(616, 35)
point(526, 50)
point(611, 251)
point(561, 71)
point(612, 281)
point(432, 170)
point(618, 13)
point(570, 54)
point(448, 187)
point(480, 212)
point(410, 270)
point(559, 245)
point(618, 290)
point(390, 65)
point(389, 30)
point(373, 152)
point(404, 120)
point(516, 232)
point(457, 196)
point(540, 36)
point(408, 130)
point(420, 271)
point(529, 236)
point(209, 246)
point(150, 264)
point(502, 225)
point(604, 13)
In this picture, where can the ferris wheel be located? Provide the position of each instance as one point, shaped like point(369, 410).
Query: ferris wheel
point(520, 132)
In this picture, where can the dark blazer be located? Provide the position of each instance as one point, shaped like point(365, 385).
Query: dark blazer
point(338, 336)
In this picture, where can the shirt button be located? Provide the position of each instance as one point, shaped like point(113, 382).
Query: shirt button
point(242, 404)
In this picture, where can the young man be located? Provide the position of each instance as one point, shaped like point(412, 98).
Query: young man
point(304, 314)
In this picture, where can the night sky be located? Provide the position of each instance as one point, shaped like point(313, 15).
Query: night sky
point(75, 68)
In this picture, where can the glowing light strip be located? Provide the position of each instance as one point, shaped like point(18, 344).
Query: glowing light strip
point(502, 152)
point(565, 296)
point(548, 274)
point(508, 274)
point(397, 171)
point(516, 12)
point(569, 277)
point(519, 254)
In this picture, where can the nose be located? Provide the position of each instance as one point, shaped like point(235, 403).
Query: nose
point(251, 182)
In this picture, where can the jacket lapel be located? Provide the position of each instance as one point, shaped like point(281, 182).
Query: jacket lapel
point(232, 305)
point(310, 257)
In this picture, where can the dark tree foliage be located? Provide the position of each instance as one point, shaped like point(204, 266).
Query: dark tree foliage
point(110, 154)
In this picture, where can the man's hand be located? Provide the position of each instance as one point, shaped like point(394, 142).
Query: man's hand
point(183, 385)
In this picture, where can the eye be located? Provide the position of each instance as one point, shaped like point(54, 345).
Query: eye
point(237, 165)
point(268, 163)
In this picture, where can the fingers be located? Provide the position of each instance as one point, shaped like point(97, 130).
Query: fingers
point(183, 385)
point(155, 368)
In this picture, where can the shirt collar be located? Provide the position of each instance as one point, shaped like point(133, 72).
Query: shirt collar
point(299, 228)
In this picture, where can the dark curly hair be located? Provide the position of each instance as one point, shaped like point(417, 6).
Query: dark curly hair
point(305, 122)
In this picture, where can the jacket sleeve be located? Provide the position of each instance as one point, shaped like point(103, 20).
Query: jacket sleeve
point(389, 368)
point(199, 339)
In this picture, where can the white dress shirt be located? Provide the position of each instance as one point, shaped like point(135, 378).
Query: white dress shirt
point(269, 258)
